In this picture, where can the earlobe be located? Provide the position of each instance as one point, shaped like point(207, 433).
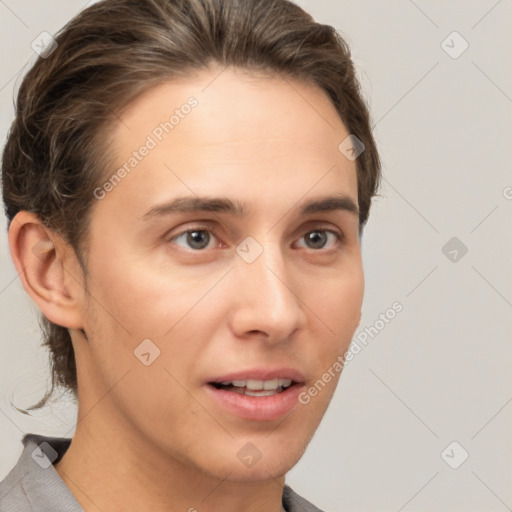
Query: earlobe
point(44, 265)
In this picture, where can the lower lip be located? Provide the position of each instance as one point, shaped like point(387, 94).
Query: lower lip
point(258, 408)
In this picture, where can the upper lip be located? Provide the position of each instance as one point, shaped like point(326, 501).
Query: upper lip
point(261, 374)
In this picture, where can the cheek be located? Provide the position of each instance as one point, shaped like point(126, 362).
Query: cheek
point(133, 303)
point(139, 301)
point(338, 306)
point(338, 303)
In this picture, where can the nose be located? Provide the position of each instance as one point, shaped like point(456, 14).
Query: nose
point(266, 300)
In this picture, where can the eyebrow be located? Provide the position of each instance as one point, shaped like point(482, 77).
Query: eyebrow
point(239, 209)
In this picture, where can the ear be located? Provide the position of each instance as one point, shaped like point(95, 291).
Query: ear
point(48, 269)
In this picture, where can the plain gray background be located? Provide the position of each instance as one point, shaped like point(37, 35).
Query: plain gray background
point(439, 372)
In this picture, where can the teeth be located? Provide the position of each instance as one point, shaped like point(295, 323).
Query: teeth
point(261, 393)
point(258, 385)
point(270, 384)
point(254, 384)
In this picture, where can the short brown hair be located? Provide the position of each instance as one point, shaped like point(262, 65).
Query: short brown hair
point(56, 151)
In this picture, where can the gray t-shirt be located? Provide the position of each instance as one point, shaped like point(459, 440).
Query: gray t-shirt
point(33, 484)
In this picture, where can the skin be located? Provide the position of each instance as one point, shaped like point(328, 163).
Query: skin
point(150, 437)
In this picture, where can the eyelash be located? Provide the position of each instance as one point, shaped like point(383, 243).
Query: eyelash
point(339, 237)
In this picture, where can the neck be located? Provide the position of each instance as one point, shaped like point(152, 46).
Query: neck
point(115, 469)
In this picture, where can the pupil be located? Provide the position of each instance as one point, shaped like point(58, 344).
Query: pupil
point(194, 238)
point(315, 235)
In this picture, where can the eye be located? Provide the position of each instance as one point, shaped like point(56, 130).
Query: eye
point(200, 238)
point(197, 238)
point(317, 238)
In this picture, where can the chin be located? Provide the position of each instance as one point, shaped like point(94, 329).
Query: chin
point(249, 464)
point(260, 472)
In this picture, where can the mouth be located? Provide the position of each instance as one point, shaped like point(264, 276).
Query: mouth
point(258, 394)
point(254, 387)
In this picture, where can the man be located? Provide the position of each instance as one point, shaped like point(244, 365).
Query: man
point(187, 183)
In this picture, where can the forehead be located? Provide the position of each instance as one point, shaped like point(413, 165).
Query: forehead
point(235, 107)
point(224, 130)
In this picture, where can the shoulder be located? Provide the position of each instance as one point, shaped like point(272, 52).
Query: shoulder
point(33, 483)
point(292, 502)
point(13, 496)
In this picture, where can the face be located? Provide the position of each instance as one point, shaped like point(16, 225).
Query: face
point(251, 286)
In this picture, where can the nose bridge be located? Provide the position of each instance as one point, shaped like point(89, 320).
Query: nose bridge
point(266, 294)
